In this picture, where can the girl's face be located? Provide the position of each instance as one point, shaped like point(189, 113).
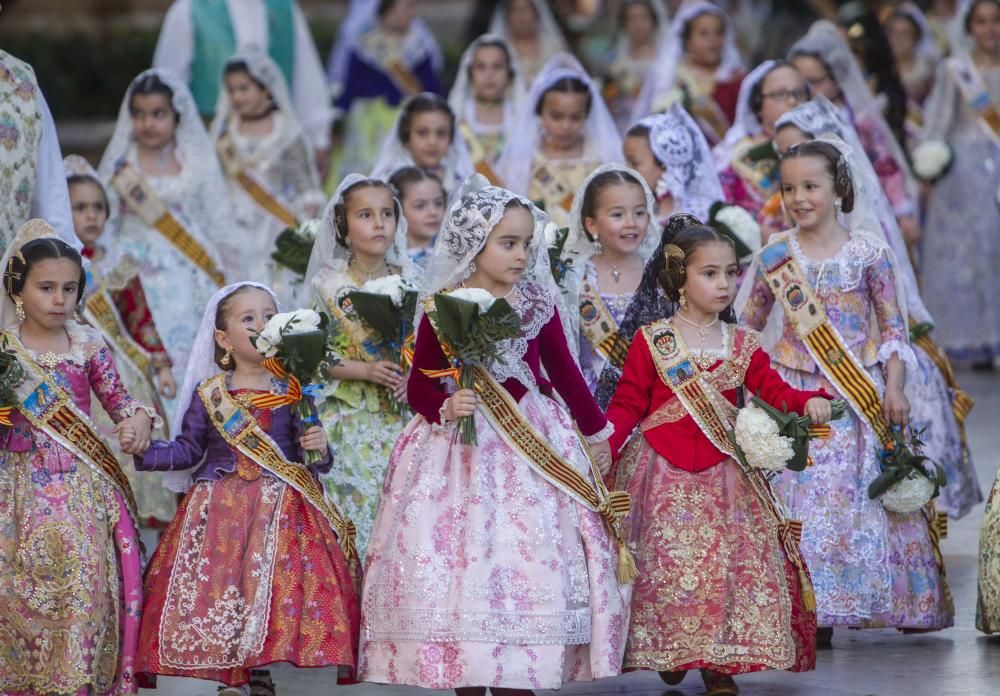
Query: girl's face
point(563, 118)
point(807, 191)
point(639, 156)
point(984, 26)
point(818, 77)
point(400, 16)
point(706, 37)
point(621, 218)
point(371, 221)
point(51, 291)
point(782, 89)
point(639, 23)
point(902, 36)
point(90, 211)
point(247, 313)
point(430, 136)
point(787, 136)
point(710, 277)
point(504, 257)
point(522, 19)
point(489, 73)
point(423, 207)
point(247, 96)
point(153, 120)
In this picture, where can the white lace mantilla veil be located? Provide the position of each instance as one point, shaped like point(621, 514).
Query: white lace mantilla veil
point(549, 32)
point(821, 117)
point(663, 74)
point(746, 124)
point(580, 248)
point(201, 366)
point(194, 151)
point(394, 155)
point(475, 210)
point(29, 232)
point(264, 70)
point(824, 40)
point(361, 17)
point(864, 225)
point(689, 170)
point(601, 135)
point(327, 253)
point(461, 99)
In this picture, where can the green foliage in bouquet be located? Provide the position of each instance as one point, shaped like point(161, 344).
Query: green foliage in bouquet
point(560, 266)
point(292, 249)
point(11, 376)
point(796, 428)
point(898, 459)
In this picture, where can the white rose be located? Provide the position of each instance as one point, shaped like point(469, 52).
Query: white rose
point(392, 286)
point(481, 297)
point(757, 435)
point(742, 224)
point(551, 234)
point(308, 228)
point(930, 159)
point(269, 339)
point(908, 495)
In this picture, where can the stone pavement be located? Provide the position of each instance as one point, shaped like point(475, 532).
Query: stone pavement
point(956, 662)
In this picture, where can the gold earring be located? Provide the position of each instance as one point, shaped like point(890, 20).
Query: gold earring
point(76, 317)
point(227, 358)
point(683, 298)
point(19, 310)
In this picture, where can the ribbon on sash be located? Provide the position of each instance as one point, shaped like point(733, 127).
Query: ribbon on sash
point(258, 192)
point(715, 416)
point(243, 433)
point(977, 96)
point(49, 408)
point(599, 326)
point(478, 154)
point(142, 199)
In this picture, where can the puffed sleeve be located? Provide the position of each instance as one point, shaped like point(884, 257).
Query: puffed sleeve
point(568, 381)
point(763, 380)
point(186, 450)
point(631, 401)
point(426, 395)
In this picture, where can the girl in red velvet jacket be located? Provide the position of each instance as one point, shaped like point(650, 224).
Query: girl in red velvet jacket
point(721, 586)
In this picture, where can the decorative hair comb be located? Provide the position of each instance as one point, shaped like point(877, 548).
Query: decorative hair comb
point(674, 251)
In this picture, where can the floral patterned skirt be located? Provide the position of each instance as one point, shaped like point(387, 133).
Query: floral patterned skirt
point(716, 589)
point(70, 578)
point(481, 573)
point(871, 568)
point(247, 574)
point(988, 605)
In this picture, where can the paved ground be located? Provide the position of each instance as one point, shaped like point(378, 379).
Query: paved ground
point(956, 662)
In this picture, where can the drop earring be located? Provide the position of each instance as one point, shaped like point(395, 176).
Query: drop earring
point(227, 358)
point(19, 310)
point(838, 205)
point(683, 302)
point(472, 267)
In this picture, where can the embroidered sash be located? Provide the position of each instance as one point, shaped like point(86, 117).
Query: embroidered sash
point(715, 416)
point(258, 192)
point(50, 409)
point(477, 152)
point(142, 199)
point(755, 162)
point(505, 416)
point(973, 89)
point(553, 186)
point(599, 326)
point(961, 403)
point(243, 433)
point(826, 346)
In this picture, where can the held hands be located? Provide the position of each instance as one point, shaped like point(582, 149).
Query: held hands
point(313, 439)
point(602, 457)
point(400, 391)
point(134, 433)
point(461, 403)
point(819, 410)
point(168, 387)
point(895, 407)
point(386, 374)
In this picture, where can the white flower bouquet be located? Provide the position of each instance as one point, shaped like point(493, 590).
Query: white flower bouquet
point(297, 347)
point(932, 159)
point(771, 439)
point(737, 224)
point(294, 245)
point(908, 479)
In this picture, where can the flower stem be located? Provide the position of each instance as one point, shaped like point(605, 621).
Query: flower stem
point(467, 424)
point(309, 417)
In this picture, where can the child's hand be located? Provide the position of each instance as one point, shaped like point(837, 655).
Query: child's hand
point(168, 387)
point(819, 410)
point(602, 457)
point(313, 439)
point(895, 407)
point(400, 391)
point(384, 373)
point(460, 404)
point(134, 433)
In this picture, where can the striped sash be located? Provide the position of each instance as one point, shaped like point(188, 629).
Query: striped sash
point(478, 154)
point(978, 97)
point(258, 192)
point(599, 326)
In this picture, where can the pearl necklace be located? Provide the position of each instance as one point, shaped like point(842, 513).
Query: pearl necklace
point(702, 329)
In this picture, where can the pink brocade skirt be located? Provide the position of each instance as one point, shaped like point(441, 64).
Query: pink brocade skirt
point(481, 573)
point(716, 589)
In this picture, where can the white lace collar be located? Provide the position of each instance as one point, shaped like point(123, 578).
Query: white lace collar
point(844, 270)
point(536, 309)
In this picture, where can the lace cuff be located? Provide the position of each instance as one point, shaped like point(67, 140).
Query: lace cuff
point(134, 407)
point(902, 350)
point(601, 435)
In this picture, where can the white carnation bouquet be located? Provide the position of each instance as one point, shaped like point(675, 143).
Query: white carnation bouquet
point(771, 439)
point(908, 479)
point(737, 224)
point(932, 159)
point(294, 245)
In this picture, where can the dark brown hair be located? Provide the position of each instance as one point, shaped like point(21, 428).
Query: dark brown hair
point(836, 167)
point(404, 177)
point(16, 274)
point(689, 239)
point(757, 91)
point(592, 193)
point(641, 130)
point(152, 84)
point(566, 85)
point(74, 179)
point(222, 320)
point(422, 104)
point(340, 208)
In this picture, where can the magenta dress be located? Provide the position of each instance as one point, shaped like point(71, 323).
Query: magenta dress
point(479, 571)
point(70, 567)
